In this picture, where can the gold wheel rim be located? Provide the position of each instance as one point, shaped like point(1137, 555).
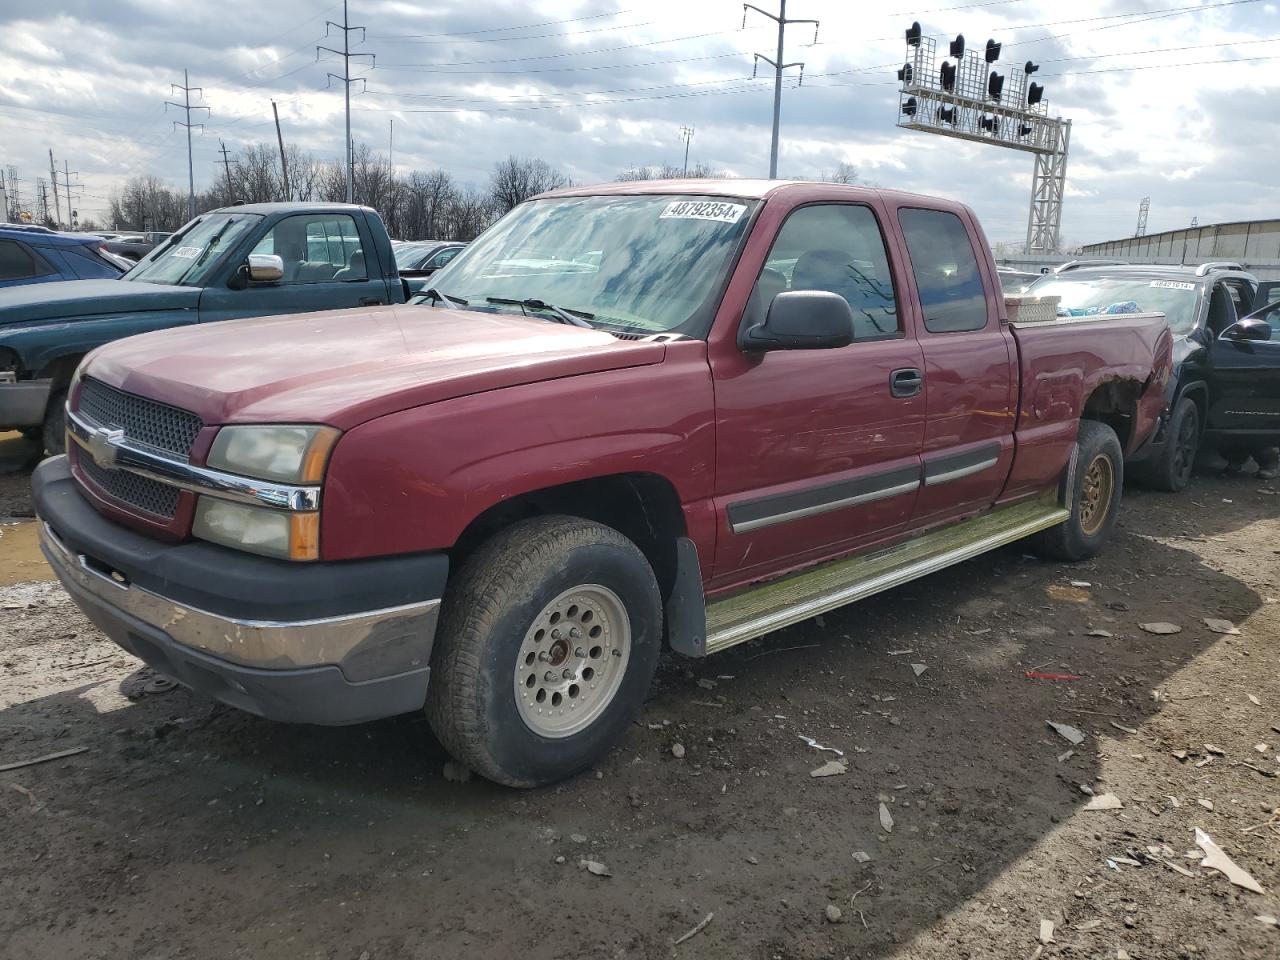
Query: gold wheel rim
point(1095, 494)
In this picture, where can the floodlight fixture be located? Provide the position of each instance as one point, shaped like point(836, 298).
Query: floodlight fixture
point(995, 86)
point(947, 76)
point(993, 51)
point(909, 108)
point(957, 46)
point(904, 74)
point(913, 34)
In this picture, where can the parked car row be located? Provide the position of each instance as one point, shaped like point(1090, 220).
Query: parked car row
point(676, 413)
point(31, 254)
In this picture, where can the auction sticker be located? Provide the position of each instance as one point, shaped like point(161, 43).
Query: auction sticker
point(704, 210)
point(1173, 284)
point(187, 253)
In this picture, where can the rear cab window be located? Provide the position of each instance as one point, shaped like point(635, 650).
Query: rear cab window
point(837, 248)
point(948, 279)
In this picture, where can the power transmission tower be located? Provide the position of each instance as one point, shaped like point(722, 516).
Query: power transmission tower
point(1143, 207)
point(686, 134)
point(226, 165)
point(346, 79)
point(4, 198)
point(186, 106)
point(42, 205)
point(67, 187)
point(778, 66)
point(57, 207)
point(15, 195)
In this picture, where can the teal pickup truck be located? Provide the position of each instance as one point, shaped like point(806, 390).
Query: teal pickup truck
point(242, 261)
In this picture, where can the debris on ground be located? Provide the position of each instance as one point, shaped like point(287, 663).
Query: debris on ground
point(832, 768)
point(1216, 859)
point(1222, 626)
point(1123, 729)
point(1082, 584)
point(702, 925)
point(919, 668)
point(1160, 627)
point(862, 856)
point(1040, 675)
point(1073, 735)
point(1046, 932)
point(1105, 801)
point(455, 772)
point(677, 751)
point(1099, 632)
point(1207, 804)
point(833, 913)
point(594, 867)
point(817, 746)
point(19, 764)
point(886, 818)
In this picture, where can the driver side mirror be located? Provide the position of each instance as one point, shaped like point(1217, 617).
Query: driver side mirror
point(1249, 328)
point(265, 267)
point(802, 320)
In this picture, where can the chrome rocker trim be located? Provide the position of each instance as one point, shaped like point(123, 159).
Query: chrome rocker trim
point(110, 449)
point(257, 643)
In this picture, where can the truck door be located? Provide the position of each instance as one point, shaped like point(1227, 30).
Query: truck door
point(324, 269)
point(1244, 378)
point(817, 451)
point(969, 376)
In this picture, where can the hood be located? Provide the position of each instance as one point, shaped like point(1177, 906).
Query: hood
point(82, 298)
point(343, 367)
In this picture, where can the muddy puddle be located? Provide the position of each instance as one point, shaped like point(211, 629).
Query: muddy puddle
point(20, 556)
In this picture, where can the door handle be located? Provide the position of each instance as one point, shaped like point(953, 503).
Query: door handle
point(370, 302)
point(906, 383)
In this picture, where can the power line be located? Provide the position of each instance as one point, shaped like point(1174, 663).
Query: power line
point(526, 26)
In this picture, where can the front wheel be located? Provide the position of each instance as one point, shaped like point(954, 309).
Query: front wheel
point(1172, 469)
point(1095, 499)
point(54, 431)
point(548, 640)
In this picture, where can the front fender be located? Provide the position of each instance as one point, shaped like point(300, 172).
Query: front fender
point(39, 345)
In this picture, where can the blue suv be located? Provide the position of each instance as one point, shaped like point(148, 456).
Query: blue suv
point(31, 254)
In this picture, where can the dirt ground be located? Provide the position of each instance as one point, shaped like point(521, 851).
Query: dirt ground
point(185, 829)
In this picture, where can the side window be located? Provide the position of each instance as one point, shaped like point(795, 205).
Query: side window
point(18, 262)
point(837, 248)
point(1222, 309)
point(316, 248)
point(441, 258)
point(951, 292)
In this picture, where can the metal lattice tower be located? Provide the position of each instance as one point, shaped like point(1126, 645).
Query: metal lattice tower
point(969, 100)
point(1143, 208)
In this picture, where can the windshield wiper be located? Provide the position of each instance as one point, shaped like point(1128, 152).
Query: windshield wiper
point(437, 297)
point(213, 242)
point(575, 318)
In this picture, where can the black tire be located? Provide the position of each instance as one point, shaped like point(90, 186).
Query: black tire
point(488, 618)
point(54, 432)
point(1095, 501)
point(1171, 470)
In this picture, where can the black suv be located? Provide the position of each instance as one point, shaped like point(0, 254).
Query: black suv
point(1226, 390)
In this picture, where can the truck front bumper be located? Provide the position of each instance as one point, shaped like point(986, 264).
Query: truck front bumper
point(23, 402)
point(334, 643)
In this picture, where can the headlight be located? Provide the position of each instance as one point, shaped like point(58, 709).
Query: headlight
point(272, 533)
point(288, 454)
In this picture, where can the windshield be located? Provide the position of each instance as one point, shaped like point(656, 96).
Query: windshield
point(650, 263)
point(408, 255)
point(190, 254)
point(1176, 299)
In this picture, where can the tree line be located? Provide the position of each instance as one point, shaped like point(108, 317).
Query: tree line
point(420, 205)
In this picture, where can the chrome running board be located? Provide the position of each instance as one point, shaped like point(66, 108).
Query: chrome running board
point(779, 603)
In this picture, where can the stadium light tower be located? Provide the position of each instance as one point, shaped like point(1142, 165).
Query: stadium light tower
point(970, 100)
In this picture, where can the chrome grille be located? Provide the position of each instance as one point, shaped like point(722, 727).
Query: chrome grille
point(149, 496)
point(144, 421)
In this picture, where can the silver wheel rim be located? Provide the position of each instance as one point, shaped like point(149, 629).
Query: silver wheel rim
point(572, 661)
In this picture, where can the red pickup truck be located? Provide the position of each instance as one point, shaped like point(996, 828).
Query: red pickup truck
point(684, 413)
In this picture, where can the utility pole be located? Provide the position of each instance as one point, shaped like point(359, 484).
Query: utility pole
point(186, 106)
point(57, 207)
point(67, 186)
point(391, 173)
point(778, 66)
point(346, 79)
point(42, 205)
point(226, 165)
point(284, 167)
point(15, 195)
point(686, 134)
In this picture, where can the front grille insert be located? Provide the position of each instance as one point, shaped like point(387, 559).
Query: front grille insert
point(157, 425)
point(150, 496)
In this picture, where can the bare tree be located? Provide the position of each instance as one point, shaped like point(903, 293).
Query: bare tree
point(516, 179)
point(844, 172)
point(699, 171)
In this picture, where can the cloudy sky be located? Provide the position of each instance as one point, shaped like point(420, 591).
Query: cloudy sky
point(1178, 100)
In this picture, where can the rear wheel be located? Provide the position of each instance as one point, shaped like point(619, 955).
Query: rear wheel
point(1172, 469)
point(1095, 499)
point(548, 641)
point(54, 432)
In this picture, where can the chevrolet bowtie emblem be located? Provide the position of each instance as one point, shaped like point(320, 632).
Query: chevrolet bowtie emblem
point(102, 446)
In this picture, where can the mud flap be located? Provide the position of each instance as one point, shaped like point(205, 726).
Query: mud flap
point(686, 607)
